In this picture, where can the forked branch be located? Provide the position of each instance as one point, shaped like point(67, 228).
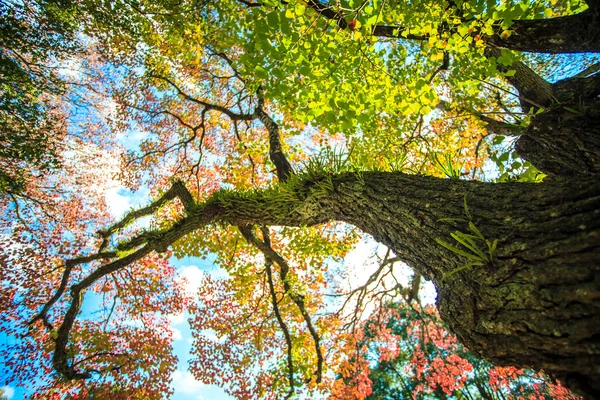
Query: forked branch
point(270, 254)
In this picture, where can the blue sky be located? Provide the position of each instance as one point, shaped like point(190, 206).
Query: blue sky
point(121, 200)
point(186, 387)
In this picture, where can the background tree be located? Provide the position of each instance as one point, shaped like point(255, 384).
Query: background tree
point(32, 35)
point(420, 358)
point(241, 105)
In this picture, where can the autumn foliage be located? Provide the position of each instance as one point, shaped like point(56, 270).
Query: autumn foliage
point(406, 352)
point(231, 120)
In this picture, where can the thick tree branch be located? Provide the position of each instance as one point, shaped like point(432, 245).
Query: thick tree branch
point(571, 34)
point(534, 91)
point(177, 190)
point(69, 265)
point(282, 165)
point(405, 212)
point(594, 7)
point(579, 33)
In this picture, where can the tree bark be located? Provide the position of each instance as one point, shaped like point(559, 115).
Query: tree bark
point(579, 33)
point(564, 139)
point(534, 302)
point(534, 91)
point(537, 302)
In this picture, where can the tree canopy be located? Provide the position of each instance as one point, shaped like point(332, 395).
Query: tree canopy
point(275, 137)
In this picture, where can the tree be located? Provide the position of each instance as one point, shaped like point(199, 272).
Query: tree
point(31, 125)
point(225, 89)
point(420, 358)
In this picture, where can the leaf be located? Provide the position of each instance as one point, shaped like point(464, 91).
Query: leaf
point(261, 72)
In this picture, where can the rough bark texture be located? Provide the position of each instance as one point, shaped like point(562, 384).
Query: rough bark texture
point(564, 140)
point(571, 34)
point(534, 303)
point(563, 143)
point(537, 304)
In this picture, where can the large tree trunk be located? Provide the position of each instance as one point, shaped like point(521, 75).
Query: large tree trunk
point(532, 302)
point(536, 303)
point(563, 140)
point(577, 33)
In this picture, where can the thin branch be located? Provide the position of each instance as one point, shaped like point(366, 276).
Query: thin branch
point(249, 235)
point(232, 115)
point(265, 247)
point(395, 32)
point(592, 69)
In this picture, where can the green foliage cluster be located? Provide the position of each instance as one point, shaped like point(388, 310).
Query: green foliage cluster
point(33, 37)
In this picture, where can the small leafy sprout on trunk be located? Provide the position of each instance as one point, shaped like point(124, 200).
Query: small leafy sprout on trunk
point(472, 243)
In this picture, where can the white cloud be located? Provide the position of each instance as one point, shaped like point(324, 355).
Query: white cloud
point(184, 382)
point(193, 276)
point(121, 200)
point(176, 319)
point(117, 203)
point(176, 333)
point(7, 392)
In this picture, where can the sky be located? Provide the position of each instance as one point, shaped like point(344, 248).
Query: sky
point(121, 200)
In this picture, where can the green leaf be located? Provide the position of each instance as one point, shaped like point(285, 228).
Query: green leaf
point(300, 9)
point(475, 230)
point(273, 19)
point(469, 265)
point(260, 72)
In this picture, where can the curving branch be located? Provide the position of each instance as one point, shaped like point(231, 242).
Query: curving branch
point(390, 207)
point(207, 106)
point(177, 190)
point(156, 242)
point(69, 265)
point(578, 33)
point(247, 233)
point(270, 254)
point(282, 165)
